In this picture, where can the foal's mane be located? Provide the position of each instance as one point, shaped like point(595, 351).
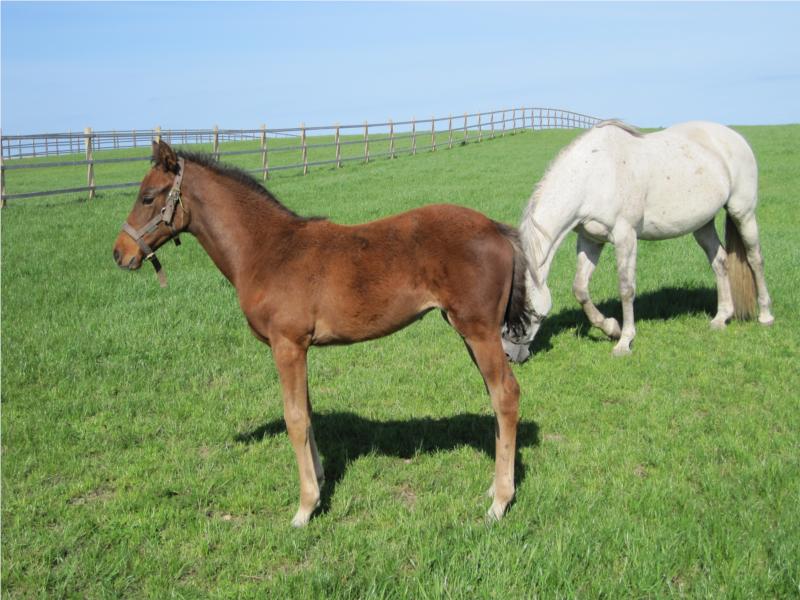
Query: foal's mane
point(210, 162)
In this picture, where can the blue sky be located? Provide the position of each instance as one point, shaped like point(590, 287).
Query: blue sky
point(136, 65)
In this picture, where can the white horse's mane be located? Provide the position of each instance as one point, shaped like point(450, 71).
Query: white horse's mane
point(622, 125)
point(607, 123)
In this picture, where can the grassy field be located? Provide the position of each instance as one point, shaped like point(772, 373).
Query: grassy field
point(144, 453)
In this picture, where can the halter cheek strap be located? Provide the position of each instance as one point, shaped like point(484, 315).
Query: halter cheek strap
point(166, 216)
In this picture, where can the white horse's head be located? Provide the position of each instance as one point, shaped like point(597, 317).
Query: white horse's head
point(517, 348)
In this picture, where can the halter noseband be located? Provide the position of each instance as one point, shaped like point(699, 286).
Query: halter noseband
point(166, 216)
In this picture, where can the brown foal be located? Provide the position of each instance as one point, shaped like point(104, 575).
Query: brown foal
point(304, 282)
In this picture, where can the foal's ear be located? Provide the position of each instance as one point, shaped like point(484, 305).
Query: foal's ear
point(164, 156)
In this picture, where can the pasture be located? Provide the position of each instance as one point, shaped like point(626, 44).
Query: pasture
point(144, 452)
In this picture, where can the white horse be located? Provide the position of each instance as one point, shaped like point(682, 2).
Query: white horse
point(615, 184)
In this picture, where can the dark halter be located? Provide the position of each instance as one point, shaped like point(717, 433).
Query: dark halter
point(166, 216)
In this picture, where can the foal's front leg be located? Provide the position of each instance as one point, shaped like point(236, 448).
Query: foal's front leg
point(290, 360)
point(503, 389)
point(625, 247)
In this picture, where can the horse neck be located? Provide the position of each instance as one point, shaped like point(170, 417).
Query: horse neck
point(233, 223)
point(544, 227)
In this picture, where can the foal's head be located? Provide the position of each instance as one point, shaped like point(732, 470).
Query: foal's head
point(158, 214)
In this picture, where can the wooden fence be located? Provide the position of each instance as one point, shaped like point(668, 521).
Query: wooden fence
point(328, 145)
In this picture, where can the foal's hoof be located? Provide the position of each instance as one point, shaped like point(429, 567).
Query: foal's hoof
point(303, 515)
point(611, 328)
point(496, 512)
point(301, 518)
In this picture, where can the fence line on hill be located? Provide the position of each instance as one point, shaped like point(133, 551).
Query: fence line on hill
point(420, 135)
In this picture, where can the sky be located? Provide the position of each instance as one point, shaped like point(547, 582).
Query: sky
point(135, 65)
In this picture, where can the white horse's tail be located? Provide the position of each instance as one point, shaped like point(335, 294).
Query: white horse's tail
point(743, 282)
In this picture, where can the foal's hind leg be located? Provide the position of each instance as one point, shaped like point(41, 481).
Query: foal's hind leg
point(708, 239)
point(487, 353)
point(290, 359)
point(588, 255)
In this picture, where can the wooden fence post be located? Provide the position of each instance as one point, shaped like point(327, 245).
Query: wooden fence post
point(433, 134)
point(90, 159)
point(304, 147)
point(491, 135)
point(514, 122)
point(2, 173)
point(503, 133)
point(391, 139)
point(413, 135)
point(366, 142)
point(215, 150)
point(158, 133)
point(450, 132)
point(465, 128)
point(338, 148)
point(480, 129)
point(264, 157)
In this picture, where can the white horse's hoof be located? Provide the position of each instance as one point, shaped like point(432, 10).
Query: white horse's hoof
point(621, 350)
point(766, 320)
point(718, 324)
point(611, 328)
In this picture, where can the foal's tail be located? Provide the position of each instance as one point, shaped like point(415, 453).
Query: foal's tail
point(517, 319)
point(743, 283)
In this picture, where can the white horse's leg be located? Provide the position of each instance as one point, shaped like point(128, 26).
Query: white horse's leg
point(748, 229)
point(588, 256)
point(624, 238)
point(708, 239)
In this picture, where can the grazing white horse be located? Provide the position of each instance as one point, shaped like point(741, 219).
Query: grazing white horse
point(614, 184)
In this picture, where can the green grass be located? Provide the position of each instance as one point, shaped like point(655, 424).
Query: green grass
point(144, 453)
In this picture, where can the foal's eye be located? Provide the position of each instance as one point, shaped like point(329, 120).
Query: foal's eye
point(147, 199)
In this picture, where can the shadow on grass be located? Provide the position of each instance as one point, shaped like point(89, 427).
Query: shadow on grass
point(662, 305)
point(343, 437)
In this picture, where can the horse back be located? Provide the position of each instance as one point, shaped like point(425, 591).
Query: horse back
point(356, 282)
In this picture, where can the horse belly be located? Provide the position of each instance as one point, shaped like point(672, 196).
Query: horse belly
point(360, 319)
point(682, 198)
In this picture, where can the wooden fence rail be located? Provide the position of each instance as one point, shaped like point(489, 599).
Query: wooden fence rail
point(90, 148)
